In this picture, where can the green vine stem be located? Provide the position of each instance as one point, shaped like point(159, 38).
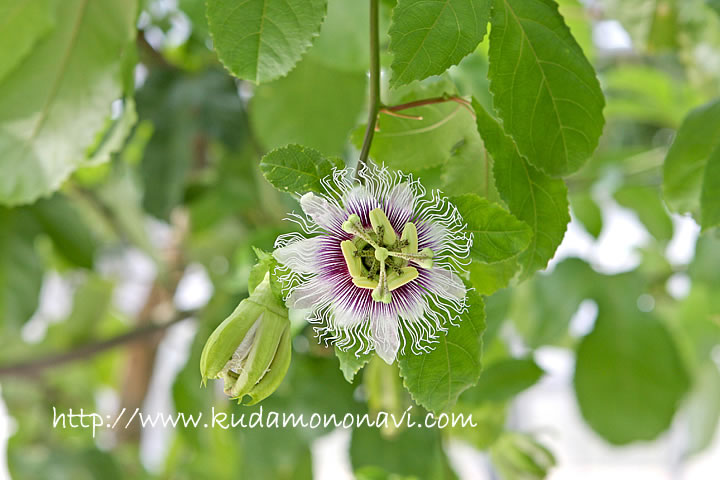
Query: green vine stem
point(375, 102)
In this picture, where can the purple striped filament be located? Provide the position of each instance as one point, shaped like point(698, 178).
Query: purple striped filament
point(419, 291)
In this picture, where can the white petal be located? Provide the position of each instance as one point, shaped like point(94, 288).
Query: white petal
point(386, 338)
point(322, 212)
point(309, 295)
point(446, 284)
point(300, 256)
point(399, 204)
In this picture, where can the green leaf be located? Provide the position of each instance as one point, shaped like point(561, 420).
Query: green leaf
point(497, 234)
point(687, 158)
point(297, 169)
point(21, 270)
point(343, 42)
point(488, 278)
point(261, 40)
point(351, 363)
point(587, 212)
point(187, 112)
point(412, 144)
point(429, 36)
point(710, 194)
point(436, 379)
point(544, 88)
point(115, 136)
point(714, 4)
point(629, 378)
point(55, 102)
point(316, 105)
point(400, 454)
point(72, 237)
point(648, 206)
point(504, 379)
point(532, 196)
point(24, 23)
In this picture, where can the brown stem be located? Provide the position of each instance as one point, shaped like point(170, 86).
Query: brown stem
point(34, 367)
point(425, 101)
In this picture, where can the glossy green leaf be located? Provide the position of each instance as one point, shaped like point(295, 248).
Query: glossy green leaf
point(436, 379)
point(710, 194)
point(497, 234)
point(429, 36)
point(629, 378)
point(54, 103)
point(24, 23)
point(351, 362)
point(261, 40)
point(297, 169)
point(532, 196)
point(416, 144)
point(304, 107)
point(545, 90)
point(687, 158)
point(21, 269)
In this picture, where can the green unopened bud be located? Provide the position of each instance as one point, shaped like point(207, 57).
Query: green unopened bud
point(517, 455)
point(250, 350)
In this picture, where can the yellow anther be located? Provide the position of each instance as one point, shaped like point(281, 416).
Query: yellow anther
point(407, 275)
point(353, 262)
point(364, 282)
point(381, 224)
point(409, 235)
point(352, 224)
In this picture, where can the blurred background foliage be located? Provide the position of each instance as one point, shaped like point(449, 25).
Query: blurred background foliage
point(156, 227)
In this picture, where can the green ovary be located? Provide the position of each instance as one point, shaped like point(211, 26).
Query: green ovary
point(377, 259)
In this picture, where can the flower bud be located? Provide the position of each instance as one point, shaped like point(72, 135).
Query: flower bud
point(250, 351)
point(517, 455)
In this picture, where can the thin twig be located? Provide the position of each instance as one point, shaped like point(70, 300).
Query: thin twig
point(375, 103)
point(33, 367)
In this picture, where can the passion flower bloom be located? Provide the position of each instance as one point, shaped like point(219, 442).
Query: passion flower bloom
point(378, 261)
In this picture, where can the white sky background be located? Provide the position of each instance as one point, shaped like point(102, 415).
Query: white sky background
point(548, 407)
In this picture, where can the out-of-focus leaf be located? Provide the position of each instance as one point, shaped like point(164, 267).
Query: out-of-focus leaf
point(706, 263)
point(114, 137)
point(703, 410)
point(502, 380)
point(400, 454)
point(648, 206)
point(21, 270)
point(303, 108)
point(469, 170)
point(648, 95)
point(664, 28)
point(72, 237)
point(297, 169)
point(343, 41)
point(428, 37)
point(687, 158)
point(188, 113)
point(24, 24)
point(544, 89)
point(586, 210)
point(56, 100)
point(532, 196)
point(261, 40)
point(629, 377)
point(520, 457)
point(497, 234)
point(710, 194)
point(436, 379)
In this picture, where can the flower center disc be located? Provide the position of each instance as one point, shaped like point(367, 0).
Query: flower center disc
point(377, 259)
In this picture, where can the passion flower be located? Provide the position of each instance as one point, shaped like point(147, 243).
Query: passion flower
point(378, 262)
